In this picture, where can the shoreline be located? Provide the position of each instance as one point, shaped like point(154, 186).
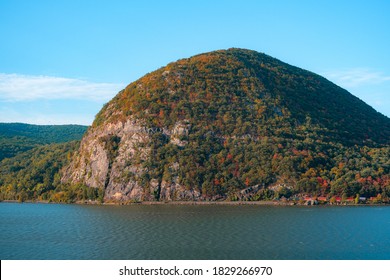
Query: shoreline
point(123, 203)
point(232, 203)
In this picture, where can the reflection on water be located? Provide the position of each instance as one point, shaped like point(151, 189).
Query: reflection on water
point(52, 231)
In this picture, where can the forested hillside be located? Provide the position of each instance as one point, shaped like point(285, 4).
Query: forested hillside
point(20, 137)
point(31, 157)
point(237, 125)
point(226, 125)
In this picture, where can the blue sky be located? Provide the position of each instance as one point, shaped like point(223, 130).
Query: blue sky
point(60, 61)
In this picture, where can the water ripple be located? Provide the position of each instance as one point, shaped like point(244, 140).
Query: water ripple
point(49, 231)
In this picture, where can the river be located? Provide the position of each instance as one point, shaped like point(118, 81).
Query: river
point(96, 232)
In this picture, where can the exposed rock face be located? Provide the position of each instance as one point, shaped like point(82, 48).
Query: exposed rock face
point(109, 158)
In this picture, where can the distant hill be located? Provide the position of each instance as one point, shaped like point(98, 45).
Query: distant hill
point(31, 157)
point(20, 137)
point(34, 174)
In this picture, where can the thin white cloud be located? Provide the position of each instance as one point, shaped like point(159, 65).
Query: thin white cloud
point(16, 87)
point(357, 77)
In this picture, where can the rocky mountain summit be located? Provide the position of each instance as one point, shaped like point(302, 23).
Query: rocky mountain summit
point(232, 124)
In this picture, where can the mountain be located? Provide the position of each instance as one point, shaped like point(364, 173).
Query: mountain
point(34, 174)
point(19, 137)
point(234, 125)
point(31, 158)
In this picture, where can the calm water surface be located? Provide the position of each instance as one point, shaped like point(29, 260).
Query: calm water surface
point(53, 231)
